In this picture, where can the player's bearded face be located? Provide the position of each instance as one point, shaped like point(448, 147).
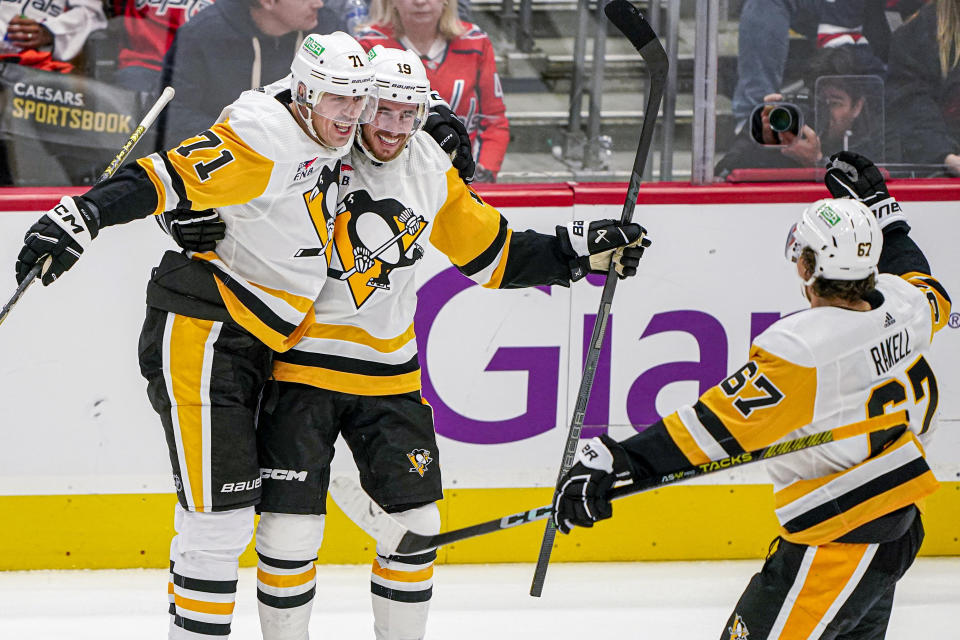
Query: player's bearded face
point(387, 135)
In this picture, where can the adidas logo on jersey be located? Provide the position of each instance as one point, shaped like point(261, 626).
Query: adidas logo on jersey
point(888, 320)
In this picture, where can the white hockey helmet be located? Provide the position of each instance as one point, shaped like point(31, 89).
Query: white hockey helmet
point(400, 77)
point(334, 64)
point(844, 235)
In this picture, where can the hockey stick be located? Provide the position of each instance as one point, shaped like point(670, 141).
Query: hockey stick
point(394, 537)
point(632, 24)
point(128, 146)
point(343, 275)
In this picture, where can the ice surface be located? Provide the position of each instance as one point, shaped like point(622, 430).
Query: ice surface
point(682, 600)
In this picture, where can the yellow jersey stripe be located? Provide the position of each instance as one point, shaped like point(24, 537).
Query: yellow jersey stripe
point(497, 278)
point(355, 383)
point(209, 180)
point(464, 226)
point(760, 424)
point(299, 303)
point(148, 166)
point(828, 574)
point(252, 323)
point(281, 581)
point(900, 496)
point(186, 369)
point(939, 304)
point(357, 335)
point(684, 441)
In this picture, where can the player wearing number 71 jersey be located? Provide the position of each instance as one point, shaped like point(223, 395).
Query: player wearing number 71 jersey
point(216, 316)
point(848, 511)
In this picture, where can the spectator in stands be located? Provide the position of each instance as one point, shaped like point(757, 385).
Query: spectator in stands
point(150, 26)
point(848, 99)
point(460, 65)
point(923, 87)
point(232, 46)
point(56, 29)
point(764, 39)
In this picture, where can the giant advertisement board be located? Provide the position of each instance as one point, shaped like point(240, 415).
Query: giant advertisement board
point(500, 368)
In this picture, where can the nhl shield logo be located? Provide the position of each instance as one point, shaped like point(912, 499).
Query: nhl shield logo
point(419, 458)
point(177, 484)
point(738, 631)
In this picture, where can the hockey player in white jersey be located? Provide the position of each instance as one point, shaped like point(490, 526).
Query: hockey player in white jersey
point(355, 372)
point(848, 511)
point(271, 165)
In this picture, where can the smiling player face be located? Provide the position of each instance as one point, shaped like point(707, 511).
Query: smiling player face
point(393, 125)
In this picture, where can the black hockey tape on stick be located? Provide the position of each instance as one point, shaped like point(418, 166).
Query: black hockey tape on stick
point(393, 537)
point(628, 19)
point(165, 97)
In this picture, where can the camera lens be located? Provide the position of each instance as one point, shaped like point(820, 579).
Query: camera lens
point(781, 119)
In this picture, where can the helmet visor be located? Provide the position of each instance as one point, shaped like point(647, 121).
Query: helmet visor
point(791, 249)
point(399, 117)
point(346, 109)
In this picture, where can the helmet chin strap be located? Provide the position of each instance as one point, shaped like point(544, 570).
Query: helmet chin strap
point(308, 124)
point(363, 146)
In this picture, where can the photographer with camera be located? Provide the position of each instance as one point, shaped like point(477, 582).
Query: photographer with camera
point(838, 110)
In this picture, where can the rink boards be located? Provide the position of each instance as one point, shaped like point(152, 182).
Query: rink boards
point(84, 473)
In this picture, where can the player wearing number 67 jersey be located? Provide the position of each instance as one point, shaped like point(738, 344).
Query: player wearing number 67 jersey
point(271, 166)
point(850, 525)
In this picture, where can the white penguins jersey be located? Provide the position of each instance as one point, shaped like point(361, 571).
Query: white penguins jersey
point(820, 369)
point(363, 339)
point(276, 190)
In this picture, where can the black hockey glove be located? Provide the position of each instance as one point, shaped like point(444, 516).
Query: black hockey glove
point(591, 246)
point(194, 230)
point(448, 130)
point(581, 498)
point(851, 175)
point(62, 233)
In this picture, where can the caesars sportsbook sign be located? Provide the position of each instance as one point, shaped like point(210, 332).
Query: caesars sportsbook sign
point(65, 109)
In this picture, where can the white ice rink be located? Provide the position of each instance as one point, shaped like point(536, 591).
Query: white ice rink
point(675, 600)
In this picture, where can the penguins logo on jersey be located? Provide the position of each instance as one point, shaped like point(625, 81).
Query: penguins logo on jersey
point(371, 239)
point(317, 201)
point(419, 458)
point(739, 630)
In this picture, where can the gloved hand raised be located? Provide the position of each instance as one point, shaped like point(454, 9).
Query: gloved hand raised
point(62, 234)
point(593, 245)
point(194, 230)
point(582, 496)
point(448, 130)
point(851, 175)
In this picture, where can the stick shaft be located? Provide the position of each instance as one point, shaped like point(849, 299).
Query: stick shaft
point(165, 97)
point(413, 543)
point(638, 32)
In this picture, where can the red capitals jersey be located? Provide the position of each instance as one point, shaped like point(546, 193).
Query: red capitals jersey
point(465, 75)
point(150, 27)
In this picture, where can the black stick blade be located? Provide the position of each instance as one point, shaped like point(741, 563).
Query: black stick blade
point(631, 23)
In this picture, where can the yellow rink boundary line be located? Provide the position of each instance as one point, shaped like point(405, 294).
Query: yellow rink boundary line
point(702, 522)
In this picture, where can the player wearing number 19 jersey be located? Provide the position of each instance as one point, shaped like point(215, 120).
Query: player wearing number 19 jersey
point(356, 370)
point(849, 515)
point(271, 165)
